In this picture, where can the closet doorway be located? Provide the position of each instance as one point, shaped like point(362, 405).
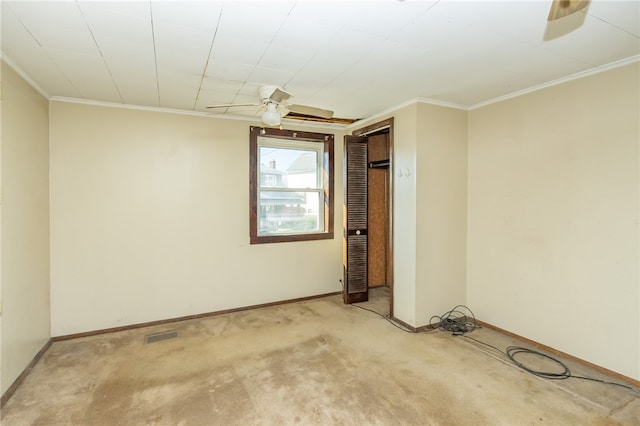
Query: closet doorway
point(368, 210)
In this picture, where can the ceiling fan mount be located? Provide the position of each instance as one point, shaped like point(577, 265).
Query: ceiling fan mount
point(269, 93)
point(274, 100)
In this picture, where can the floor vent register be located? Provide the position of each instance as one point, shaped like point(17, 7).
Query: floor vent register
point(159, 337)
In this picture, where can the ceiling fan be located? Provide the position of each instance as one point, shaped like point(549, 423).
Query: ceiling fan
point(562, 8)
point(274, 99)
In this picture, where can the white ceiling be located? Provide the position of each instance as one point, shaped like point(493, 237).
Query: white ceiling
point(357, 58)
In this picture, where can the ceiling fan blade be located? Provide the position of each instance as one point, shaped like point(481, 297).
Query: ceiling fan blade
point(561, 8)
point(308, 110)
point(303, 117)
point(233, 105)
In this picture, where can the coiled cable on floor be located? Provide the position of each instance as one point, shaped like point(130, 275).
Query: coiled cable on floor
point(564, 373)
point(459, 323)
point(512, 351)
point(455, 321)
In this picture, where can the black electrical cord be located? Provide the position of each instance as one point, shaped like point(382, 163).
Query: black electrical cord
point(390, 321)
point(459, 324)
point(456, 321)
point(513, 351)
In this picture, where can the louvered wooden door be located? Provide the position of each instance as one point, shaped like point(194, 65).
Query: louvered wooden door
point(354, 254)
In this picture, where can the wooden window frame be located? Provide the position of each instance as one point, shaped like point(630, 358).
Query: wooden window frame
point(327, 140)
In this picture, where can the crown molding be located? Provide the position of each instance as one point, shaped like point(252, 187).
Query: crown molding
point(387, 111)
point(7, 60)
point(576, 76)
point(441, 103)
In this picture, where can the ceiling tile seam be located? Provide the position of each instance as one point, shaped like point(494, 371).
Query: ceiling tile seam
point(155, 52)
point(544, 47)
point(300, 69)
point(360, 59)
point(106, 65)
point(24, 25)
point(573, 58)
point(576, 76)
point(320, 88)
point(424, 12)
point(61, 69)
point(551, 50)
point(613, 25)
point(365, 54)
point(21, 72)
point(306, 63)
point(206, 64)
point(264, 52)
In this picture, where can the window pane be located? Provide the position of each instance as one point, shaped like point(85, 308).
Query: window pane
point(286, 212)
point(288, 168)
point(291, 185)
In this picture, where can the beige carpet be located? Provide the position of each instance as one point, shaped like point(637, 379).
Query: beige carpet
point(317, 362)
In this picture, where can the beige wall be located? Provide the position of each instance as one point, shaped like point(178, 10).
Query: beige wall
point(150, 220)
point(405, 138)
point(24, 225)
point(553, 217)
point(429, 209)
point(441, 210)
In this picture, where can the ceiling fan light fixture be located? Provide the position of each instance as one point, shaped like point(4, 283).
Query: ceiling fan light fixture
point(271, 117)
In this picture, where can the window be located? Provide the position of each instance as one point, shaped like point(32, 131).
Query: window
point(291, 186)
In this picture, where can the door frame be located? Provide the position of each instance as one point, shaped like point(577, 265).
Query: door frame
point(366, 131)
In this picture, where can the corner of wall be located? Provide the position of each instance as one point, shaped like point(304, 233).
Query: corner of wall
point(24, 225)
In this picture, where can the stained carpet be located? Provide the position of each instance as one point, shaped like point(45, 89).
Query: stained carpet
point(317, 362)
